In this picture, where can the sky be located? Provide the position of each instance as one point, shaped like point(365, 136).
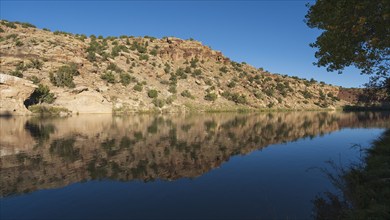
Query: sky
point(267, 34)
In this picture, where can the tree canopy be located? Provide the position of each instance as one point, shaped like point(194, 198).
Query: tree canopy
point(355, 33)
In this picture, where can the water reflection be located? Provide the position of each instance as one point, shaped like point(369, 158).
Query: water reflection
point(51, 153)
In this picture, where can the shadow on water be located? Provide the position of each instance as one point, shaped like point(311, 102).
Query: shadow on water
point(363, 189)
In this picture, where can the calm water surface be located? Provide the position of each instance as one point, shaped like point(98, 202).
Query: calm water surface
point(205, 166)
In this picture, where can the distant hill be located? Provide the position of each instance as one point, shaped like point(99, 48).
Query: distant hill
point(93, 74)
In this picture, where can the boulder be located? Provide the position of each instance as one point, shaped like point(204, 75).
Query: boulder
point(84, 102)
point(13, 92)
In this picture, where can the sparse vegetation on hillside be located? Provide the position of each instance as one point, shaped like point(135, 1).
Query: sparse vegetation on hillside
point(64, 76)
point(119, 67)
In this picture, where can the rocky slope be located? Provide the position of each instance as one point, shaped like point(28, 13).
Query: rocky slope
point(126, 74)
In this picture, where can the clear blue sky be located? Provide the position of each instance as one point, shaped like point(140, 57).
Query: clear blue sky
point(268, 34)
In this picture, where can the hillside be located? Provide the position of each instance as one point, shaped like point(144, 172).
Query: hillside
point(93, 74)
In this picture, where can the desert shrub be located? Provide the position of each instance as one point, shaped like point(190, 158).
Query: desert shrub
point(170, 99)
point(27, 25)
point(138, 87)
point(118, 48)
point(322, 95)
point(2, 30)
point(223, 69)
point(194, 62)
point(158, 102)
point(138, 47)
point(41, 94)
point(173, 79)
point(208, 82)
point(95, 47)
point(312, 81)
point(187, 94)
point(144, 57)
point(153, 52)
point(126, 79)
point(36, 64)
point(9, 24)
point(210, 97)
point(172, 89)
point(231, 84)
point(307, 95)
point(197, 72)
point(114, 67)
point(167, 68)
point(108, 76)
point(34, 79)
point(19, 43)
point(258, 94)
point(271, 104)
point(16, 73)
point(152, 93)
point(269, 92)
point(187, 69)
point(235, 97)
point(64, 76)
point(13, 36)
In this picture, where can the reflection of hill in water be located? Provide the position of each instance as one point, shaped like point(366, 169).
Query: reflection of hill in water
point(38, 154)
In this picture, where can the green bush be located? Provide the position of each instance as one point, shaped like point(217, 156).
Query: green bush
point(167, 68)
point(187, 94)
point(64, 76)
point(172, 89)
point(235, 97)
point(34, 79)
point(36, 64)
point(194, 62)
point(258, 95)
point(16, 73)
point(158, 102)
point(223, 69)
point(126, 79)
point(269, 92)
point(170, 99)
point(114, 67)
point(211, 97)
point(108, 76)
point(152, 93)
point(153, 52)
point(197, 72)
point(144, 57)
point(95, 47)
point(118, 48)
point(307, 95)
point(19, 43)
point(138, 87)
point(187, 69)
point(9, 24)
point(40, 94)
point(231, 84)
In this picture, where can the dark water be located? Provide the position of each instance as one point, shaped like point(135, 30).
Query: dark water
point(206, 166)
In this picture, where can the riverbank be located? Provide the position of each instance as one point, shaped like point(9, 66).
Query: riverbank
point(365, 188)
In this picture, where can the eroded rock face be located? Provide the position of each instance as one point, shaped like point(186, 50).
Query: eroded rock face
point(13, 92)
point(87, 101)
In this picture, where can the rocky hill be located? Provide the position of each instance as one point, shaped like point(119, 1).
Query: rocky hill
point(80, 74)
